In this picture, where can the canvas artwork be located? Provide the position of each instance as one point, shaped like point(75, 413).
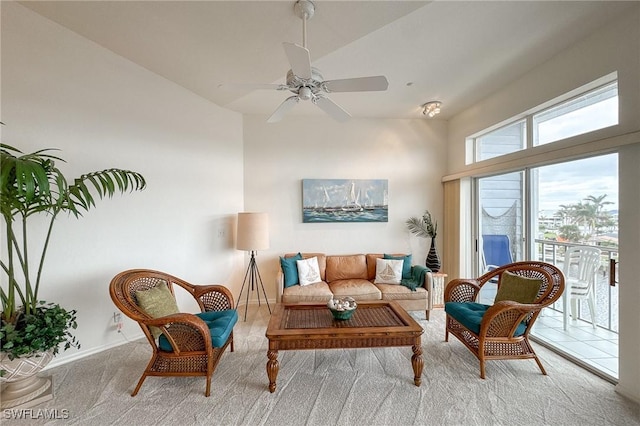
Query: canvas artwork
point(345, 200)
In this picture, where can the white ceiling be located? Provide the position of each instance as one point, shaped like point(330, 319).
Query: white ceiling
point(454, 51)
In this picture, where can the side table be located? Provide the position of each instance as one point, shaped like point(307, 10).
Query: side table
point(438, 289)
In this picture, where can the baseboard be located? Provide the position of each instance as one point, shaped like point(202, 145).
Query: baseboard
point(627, 393)
point(83, 354)
point(253, 302)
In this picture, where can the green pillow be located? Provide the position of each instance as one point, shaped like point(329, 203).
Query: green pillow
point(157, 302)
point(517, 288)
point(290, 269)
point(406, 266)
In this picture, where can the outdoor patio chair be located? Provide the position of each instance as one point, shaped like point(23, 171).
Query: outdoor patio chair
point(501, 330)
point(580, 267)
point(496, 251)
point(183, 344)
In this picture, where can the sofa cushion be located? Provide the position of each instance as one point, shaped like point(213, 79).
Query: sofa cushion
point(290, 269)
point(400, 292)
point(388, 271)
point(470, 314)
point(318, 292)
point(359, 289)
point(346, 267)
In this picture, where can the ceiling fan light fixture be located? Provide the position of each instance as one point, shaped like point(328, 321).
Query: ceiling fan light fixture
point(304, 93)
point(431, 109)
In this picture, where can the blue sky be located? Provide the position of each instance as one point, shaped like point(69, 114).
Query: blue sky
point(572, 182)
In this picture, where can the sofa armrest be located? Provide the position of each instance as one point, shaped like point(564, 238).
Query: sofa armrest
point(280, 285)
point(428, 285)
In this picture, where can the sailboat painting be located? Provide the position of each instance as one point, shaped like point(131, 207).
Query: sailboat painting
point(345, 200)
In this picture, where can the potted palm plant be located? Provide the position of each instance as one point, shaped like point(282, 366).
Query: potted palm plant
point(33, 331)
point(426, 227)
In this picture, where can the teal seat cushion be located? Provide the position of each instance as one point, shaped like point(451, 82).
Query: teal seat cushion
point(470, 314)
point(220, 325)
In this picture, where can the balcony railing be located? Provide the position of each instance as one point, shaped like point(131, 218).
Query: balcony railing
point(606, 294)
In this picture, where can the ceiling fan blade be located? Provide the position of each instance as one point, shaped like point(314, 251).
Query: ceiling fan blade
point(331, 108)
point(299, 60)
point(285, 106)
point(361, 84)
point(252, 86)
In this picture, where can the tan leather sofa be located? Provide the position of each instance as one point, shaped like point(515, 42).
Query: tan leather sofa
point(353, 275)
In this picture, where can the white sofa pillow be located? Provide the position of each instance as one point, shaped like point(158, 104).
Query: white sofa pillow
point(308, 271)
point(388, 271)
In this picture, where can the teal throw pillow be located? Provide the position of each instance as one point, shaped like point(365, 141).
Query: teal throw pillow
point(406, 266)
point(517, 288)
point(290, 269)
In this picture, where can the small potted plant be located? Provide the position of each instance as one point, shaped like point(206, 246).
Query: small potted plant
point(31, 185)
point(426, 227)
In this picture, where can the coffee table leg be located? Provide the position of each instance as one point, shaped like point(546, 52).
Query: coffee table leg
point(272, 369)
point(418, 364)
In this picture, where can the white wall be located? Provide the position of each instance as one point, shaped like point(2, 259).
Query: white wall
point(61, 90)
point(278, 156)
point(615, 47)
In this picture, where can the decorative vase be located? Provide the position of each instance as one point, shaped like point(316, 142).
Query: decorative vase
point(22, 386)
point(433, 261)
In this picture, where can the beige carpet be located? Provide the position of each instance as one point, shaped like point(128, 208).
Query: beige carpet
point(337, 387)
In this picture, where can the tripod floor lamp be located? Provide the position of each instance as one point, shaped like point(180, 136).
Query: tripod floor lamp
point(252, 235)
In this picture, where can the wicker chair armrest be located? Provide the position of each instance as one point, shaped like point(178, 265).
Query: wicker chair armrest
point(213, 297)
point(461, 290)
point(185, 332)
point(503, 318)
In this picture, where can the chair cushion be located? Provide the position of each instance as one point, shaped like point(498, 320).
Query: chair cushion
point(290, 269)
point(220, 325)
point(470, 314)
point(157, 302)
point(517, 288)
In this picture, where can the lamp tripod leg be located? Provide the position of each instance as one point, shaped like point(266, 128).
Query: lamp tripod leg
point(253, 274)
point(263, 290)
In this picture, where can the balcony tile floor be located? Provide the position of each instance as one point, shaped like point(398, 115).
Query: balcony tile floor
point(596, 348)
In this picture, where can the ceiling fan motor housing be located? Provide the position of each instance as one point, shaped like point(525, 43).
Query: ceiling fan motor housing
point(313, 85)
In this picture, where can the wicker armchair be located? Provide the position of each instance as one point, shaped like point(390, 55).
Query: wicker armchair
point(188, 335)
point(504, 327)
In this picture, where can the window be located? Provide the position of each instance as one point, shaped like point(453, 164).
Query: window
point(592, 111)
point(503, 141)
point(588, 111)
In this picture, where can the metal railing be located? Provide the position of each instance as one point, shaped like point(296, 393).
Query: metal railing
point(606, 294)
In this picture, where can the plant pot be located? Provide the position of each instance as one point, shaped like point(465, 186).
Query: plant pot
point(22, 387)
point(433, 261)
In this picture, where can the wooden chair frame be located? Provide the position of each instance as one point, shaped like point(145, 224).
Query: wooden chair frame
point(497, 339)
point(189, 336)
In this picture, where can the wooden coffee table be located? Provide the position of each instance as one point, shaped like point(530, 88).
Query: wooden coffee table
point(311, 326)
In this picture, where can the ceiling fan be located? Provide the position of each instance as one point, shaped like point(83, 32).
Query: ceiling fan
point(307, 83)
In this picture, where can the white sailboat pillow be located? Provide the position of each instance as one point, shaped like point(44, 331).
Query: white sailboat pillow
point(388, 271)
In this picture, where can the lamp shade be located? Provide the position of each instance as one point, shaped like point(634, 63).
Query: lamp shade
point(253, 231)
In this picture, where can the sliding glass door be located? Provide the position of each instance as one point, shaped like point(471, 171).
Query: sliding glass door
point(540, 213)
